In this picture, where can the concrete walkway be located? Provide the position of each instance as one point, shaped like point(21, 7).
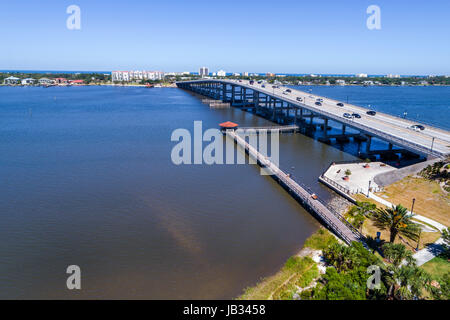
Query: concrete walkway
point(428, 253)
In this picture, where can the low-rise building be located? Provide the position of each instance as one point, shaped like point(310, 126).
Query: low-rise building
point(361, 75)
point(221, 73)
point(11, 80)
point(28, 81)
point(76, 82)
point(45, 81)
point(340, 82)
point(61, 81)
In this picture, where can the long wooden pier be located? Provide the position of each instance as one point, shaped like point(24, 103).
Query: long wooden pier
point(332, 219)
point(288, 128)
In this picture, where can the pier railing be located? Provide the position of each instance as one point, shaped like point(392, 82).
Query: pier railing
point(332, 218)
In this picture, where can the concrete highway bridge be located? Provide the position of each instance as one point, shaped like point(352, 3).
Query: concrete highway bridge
point(290, 106)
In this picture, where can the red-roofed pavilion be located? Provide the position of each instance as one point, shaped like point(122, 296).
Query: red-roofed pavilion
point(228, 125)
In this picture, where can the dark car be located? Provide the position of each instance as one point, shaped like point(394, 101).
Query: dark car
point(318, 103)
point(263, 85)
point(417, 127)
point(356, 115)
point(340, 104)
point(299, 99)
point(288, 90)
point(371, 113)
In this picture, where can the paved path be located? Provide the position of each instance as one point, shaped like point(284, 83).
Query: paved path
point(428, 253)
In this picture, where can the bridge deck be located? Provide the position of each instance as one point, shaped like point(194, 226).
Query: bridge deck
point(431, 141)
point(333, 219)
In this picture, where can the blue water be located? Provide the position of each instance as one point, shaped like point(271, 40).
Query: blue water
point(86, 179)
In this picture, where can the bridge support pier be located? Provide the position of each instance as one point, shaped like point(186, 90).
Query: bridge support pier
point(368, 143)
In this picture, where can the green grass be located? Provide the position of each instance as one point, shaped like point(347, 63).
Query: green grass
point(320, 240)
point(437, 266)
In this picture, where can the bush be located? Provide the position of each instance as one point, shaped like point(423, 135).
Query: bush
point(320, 240)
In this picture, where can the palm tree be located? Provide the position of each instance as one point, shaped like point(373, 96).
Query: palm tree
point(396, 253)
point(407, 282)
point(397, 221)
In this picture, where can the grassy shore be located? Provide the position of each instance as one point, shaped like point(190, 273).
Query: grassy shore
point(298, 272)
point(431, 201)
point(369, 229)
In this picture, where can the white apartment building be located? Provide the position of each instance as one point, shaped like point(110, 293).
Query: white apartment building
point(361, 75)
point(136, 75)
point(221, 73)
point(203, 72)
point(391, 76)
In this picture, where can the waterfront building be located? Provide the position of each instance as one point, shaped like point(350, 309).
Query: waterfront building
point(76, 82)
point(61, 81)
point(45, 81)
point(203, 72)
point(28, 81)
point(11, 80)
point(269, 74)
point(340, 82)
point(221, 73)
point(361, 75)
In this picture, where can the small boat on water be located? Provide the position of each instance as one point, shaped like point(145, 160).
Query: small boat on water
point(148, 85)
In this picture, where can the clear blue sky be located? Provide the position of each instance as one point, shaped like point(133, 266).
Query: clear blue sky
point(281, 36)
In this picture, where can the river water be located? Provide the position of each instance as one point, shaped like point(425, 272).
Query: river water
point(87, 179)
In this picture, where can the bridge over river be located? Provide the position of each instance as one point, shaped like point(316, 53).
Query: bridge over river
point(299, 107)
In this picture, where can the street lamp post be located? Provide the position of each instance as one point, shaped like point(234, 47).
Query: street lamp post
point(368, 189)
point(432, 143)
point(412, 207)
point(418, 240)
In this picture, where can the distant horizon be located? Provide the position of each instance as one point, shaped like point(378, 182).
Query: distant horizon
point(228, 73)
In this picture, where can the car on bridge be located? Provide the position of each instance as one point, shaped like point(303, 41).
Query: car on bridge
point(340, 104)
point(251, 82)
point(288, 90)
point(347, 115)
point(299, 99)
point(371, 113)
point(263, 85)
point(417, 127)
point(356, 115)
point(318, 103)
